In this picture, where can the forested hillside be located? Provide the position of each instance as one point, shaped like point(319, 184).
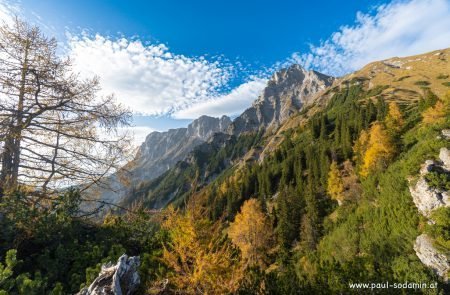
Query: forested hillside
point(312, 206)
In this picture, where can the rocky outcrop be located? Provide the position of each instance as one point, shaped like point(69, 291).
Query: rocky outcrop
point(427, 199)
point(119, 279)
point(446, 133)
point(429, 256)
point(444, 156)
point(285, 94)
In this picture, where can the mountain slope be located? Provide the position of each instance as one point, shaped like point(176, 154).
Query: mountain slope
point(403, 80)
point(332, 187)
point(366, 233)
point(277, 110)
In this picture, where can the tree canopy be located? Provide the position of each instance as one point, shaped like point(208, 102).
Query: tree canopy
point(55, 128)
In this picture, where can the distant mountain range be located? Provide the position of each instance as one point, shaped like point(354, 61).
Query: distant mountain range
point(162, 169)
point(285, 94)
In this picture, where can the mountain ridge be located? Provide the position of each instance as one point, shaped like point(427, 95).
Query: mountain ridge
point(158, 153)
point(286, 93)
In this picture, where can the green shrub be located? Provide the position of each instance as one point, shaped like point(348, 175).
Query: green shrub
point(422, 83)
point(438, 179)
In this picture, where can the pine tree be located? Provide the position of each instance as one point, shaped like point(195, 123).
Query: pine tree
point(381, 109)
point(337, 131)
point(324, 166)
point(286, 228)
point(371, 113)
point(346, 142)
point(310, 221)
point(323, 128)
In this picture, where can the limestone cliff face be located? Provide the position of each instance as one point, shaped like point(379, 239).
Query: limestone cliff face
point(162, 150)
point(286, 93)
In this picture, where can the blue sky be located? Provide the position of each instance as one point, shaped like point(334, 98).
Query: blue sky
point(260, 32)
point(172, 61)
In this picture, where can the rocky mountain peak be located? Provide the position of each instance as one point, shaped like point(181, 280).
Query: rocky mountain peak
point(295, 84)
point(204, 127)
point(286, 93)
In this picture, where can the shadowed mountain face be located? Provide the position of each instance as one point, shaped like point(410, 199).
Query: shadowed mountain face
point(285, 94)
point(160, 152)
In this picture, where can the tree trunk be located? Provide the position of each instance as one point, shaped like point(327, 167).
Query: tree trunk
point(11, 153)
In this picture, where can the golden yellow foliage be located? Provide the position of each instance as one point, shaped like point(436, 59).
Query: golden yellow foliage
point(435, 114)
point(335, 183)
point(200, 260)
point(379, 150)
point(360, 146)
point(251, 232)
point(394, 120)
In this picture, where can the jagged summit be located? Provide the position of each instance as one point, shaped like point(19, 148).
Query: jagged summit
point(162, 150)
point(286, 93)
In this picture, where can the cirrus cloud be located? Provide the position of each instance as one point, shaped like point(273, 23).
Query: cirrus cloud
point(400, 28)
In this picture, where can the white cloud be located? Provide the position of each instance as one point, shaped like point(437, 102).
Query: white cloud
point(8, 10)
point(401, 28)
point(231, 104)
point(149, 79)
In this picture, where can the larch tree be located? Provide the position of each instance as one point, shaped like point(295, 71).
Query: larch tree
point(379, 150)
point(394, 120)
point(360, 146)
point(55, 130)
point(251, 232)
point(435, 114)
point(201, 262)
point(335, 187)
